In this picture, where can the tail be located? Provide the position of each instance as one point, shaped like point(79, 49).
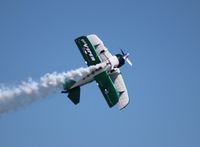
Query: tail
point(74, 93)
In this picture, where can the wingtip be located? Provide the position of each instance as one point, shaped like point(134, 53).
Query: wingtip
point(123, 104)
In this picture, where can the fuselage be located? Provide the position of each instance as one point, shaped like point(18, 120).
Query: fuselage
point(109, 65)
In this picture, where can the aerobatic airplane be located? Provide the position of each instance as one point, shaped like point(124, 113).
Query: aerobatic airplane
point(105, 72)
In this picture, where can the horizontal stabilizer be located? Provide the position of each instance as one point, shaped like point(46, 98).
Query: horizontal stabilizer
point(74, 95)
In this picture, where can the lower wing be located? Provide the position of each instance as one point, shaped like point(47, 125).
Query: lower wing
point(107, 88)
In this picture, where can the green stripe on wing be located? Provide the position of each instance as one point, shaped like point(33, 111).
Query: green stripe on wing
point(87, 50)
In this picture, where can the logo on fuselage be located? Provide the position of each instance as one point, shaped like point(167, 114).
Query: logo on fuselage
point(87, 50)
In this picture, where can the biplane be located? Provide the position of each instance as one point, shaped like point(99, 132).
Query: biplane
point(105, 71)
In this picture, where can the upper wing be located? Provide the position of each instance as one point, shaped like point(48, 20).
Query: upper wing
point(87, 50)
point(121, 88)
point(108, 88)
point(92, 49)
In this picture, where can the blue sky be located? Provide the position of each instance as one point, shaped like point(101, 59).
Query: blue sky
point(163, 38)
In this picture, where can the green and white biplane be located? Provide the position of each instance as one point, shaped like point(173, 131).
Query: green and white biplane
point(105, 71)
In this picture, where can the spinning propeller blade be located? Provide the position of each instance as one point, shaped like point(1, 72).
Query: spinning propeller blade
point(125, 57)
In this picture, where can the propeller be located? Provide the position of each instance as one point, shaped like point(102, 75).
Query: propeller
point(125, 57)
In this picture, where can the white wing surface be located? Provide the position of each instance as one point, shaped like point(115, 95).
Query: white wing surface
point(101, 50)
point(121, 88)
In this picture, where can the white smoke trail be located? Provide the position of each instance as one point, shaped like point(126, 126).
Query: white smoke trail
point(27, 92)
